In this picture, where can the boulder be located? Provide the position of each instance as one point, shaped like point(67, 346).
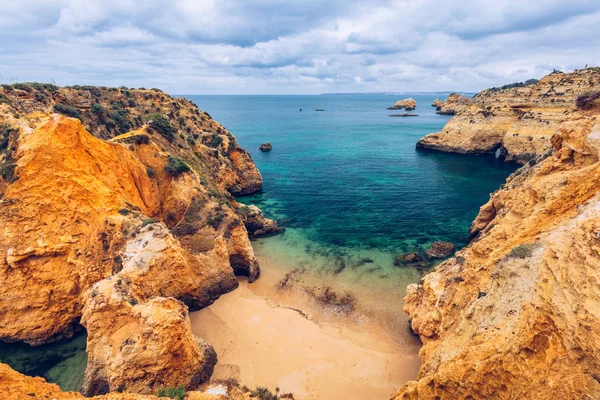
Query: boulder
point(257, 224)
point(265, 147)
point(441, 250)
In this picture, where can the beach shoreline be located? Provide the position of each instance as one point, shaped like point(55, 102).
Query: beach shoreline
point(275, 337)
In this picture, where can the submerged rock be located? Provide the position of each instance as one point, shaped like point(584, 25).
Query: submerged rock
point(412, 260)
point(441, 250)
point(266, 146)
point(404, 115)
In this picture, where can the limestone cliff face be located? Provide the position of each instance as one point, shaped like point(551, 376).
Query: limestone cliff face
point(516, 314)
point(517, 122)
point(122, 235)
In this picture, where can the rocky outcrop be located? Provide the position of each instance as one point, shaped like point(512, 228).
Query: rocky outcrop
point(406, 104)
point(122, 235)
point(448, 106)
point(265, 147)
point(516, 121)
point(257, 224)
point(514, 315)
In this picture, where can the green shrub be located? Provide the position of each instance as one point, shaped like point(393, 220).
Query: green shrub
point(215, 140)
point(7, 172)
point(97, 109)
point(119, 117)
point(161, 124)
point(5, 133)
point(149, 221)
point(587, 100)
point(523, 250)
point(67, 110)
point(177, 393)
point(150, 172)
point(176, 166)
point(141, 139)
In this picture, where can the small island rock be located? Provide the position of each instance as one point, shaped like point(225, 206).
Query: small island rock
point(266, 146)
point(406, 104)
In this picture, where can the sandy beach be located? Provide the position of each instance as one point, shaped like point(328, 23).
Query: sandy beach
point(266, 336)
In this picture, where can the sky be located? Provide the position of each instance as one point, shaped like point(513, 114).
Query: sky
point(295, 47)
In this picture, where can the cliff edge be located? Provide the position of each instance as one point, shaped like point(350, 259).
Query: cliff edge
point(516, 313)
point(516, 121)
point(117, 214)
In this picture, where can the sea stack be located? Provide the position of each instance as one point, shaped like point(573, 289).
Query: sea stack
point(406, 104)
point(265, 147)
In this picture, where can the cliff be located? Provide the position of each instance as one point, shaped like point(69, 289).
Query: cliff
point(515, 121)
point(516, 313)
point(121, 219)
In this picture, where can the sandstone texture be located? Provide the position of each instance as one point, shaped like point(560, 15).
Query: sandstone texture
point(406, 104)
point(516, 313)
point(515, 122)
point(119, 219)
point(441, 250)
point(448, 106)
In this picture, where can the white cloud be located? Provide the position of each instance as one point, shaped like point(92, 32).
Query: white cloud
point(281, 46)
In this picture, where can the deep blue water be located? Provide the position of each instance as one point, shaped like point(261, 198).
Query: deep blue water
point(350, 175)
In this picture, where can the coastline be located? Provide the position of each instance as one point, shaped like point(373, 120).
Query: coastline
point(332, 353)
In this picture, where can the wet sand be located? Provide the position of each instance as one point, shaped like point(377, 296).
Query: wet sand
point(287, 338)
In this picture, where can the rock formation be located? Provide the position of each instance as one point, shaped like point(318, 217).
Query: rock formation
point(515, 122)
point(515, 314)
point(441, 250)
point(121, 217)
point(265, 147)
point(256, 224)
point(448, 106)
point(406, 104)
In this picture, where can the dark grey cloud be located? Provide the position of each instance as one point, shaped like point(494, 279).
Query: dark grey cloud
point(283, 46)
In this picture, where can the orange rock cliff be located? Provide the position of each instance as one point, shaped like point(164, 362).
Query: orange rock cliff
point(117, 214)
point(516, 121)
point(516, 313)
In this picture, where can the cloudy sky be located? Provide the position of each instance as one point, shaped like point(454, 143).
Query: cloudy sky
point(289, 46)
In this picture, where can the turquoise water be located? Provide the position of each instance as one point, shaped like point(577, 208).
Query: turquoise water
point(350, 176)
point(61, 363)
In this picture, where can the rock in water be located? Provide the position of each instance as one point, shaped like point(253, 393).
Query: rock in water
point(441, 250)
point(256, 223)
point(412, 260)
point(266, 146)
point(406, 104)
